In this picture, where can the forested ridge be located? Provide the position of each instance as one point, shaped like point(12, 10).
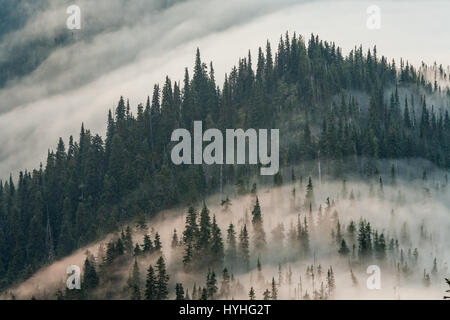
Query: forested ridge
point(91, 185)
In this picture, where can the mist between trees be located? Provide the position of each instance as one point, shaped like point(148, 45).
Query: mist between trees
point(346, 112)
point(304, 239)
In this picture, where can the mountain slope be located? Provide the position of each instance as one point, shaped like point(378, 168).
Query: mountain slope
point(351, 110)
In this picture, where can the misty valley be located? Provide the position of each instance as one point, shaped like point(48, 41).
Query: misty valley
point(354, 205)
point(307, 239)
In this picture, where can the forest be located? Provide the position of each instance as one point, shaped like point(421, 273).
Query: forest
point(342, 119)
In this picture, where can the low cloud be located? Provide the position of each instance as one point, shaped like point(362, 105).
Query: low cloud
point(124, 49)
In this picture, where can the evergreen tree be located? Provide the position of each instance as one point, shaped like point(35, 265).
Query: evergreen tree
point(331, 284)
point(258, 228)
point(251, 294)
point(244, 251)
point(162, 280)
point(134, 283)
point(231, 253)
point(148, 244)
point(175, 242)
point(211, 285)
point(344, 250)
point(274, 292)
point(267, 295)
point(91, 279)
point(309, 198)
point(217, 250)
point(151, 284)
point(179, 292)
point(157, 246)
point(203, 242)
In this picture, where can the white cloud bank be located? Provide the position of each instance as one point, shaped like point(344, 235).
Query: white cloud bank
point(129, 48)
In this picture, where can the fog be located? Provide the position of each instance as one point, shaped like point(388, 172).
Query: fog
point(123, 50)
point(412, 208)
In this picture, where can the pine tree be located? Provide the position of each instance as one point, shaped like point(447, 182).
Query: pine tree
point(134, 283)
point(91, 279)
point(344, 250)
point(304, 237)
point(380, 247)
point(258, 228)
point(274, 292)
point(148, 244)
point(128, 240)
point(309, 198)
point(179, 292)
point(251, 294)
point(231, 252)
point(225, 285)
point(204, 295)
point(244, 251)
point(211, 285)
point(259, 268)
point(426, 279)
point(434, 270)
point(175, 242)
point(150, 284)
point(162, 280)
point(331, 284)
point(448, 291)
point(217, 250)
point(191, 230)
point(354, 279)
point(204, 232)
point(267, 295)
point(137, 250)
point(187, 258)
point(157, 246)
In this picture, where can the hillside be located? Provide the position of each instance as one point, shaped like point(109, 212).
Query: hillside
point(319, 253)
point(348, 111)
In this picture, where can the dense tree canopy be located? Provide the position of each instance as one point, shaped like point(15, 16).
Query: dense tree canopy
point(315, 95)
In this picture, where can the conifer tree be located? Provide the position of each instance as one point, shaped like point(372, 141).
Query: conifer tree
point(259, 268)
point(187, 258)
point(128, 240)
point(134, 283)
point(251, 294)
point(150, 284)
point(353, 277)
point(211, 285)
point(157, 246)
point(231, 252)
point(204, 294)
point(217, 250)
point(191, 230)
point(274, 292)
point(91, 279)
point(331, 284)
point(137, 250)
point(175, 242)
point(162, 280)
point(179, 292)
point(258, 228)
point(244, 251)
point(148, 244)
point(344, 250)
point(309, 198)
point(225, 285)
point(204, 231)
